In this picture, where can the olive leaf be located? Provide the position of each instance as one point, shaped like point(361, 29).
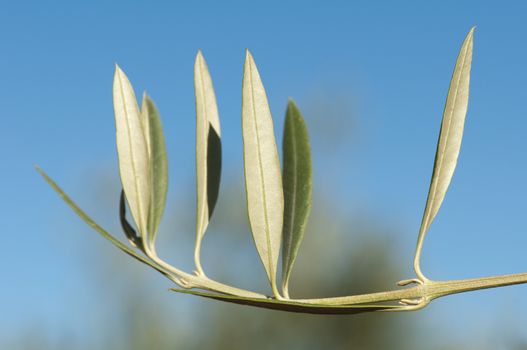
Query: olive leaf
point(132, 150)
point(87, 219)
point(158, 164)
point(208, 151)
point(449, 142)
point(294, 306)
point(297, 180)
point(263, 180)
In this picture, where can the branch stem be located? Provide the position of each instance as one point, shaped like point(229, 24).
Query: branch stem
point(201, 281)
point(427, 291)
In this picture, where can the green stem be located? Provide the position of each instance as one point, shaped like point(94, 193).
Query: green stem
point(201, 281)
point(425, 292)
point(438, 289)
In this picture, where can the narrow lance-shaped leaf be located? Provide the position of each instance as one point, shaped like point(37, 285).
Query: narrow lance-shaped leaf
point(158, 164)
point(297, 180)
point(132, 150)
point(88, 220)
point(263, 180)
point(449, 142)
point(208, 151)
point(295, 306)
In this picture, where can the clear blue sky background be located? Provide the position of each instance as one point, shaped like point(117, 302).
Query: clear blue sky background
point(390, 61)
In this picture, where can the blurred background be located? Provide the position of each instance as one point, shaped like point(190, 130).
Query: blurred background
point(370, 77)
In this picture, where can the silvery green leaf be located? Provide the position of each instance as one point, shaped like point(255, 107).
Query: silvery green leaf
point(449, 142)
point(158, 164)
point(208, 151)
point(96, 226)
point(297, 180)
point(263, 180)
point(129, 231)
point(294, 306)
point(134, 163)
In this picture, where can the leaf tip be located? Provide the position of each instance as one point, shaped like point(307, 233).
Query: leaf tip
point(40, 171)
point(199, 56)
point(118, 69)
point(293, 111)
point(119, 76)
point(470, 35)
point(291, 103)
point(248, 55)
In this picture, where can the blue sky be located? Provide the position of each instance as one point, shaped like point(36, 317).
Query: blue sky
point(388, 63)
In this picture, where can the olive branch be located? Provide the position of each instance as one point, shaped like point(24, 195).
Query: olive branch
point(278, 200)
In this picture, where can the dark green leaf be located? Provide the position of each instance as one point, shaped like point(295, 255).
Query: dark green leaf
point(158, 165)
point(297, 180)
point(129, 231)
point(292, 306)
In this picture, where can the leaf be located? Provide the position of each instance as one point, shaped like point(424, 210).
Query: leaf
point(263, 180)
point(132, 150)
point(297, 180)
point(293, 306)
point(208, 151)
point(96, 226)
point(129, 231)
point(449, 142)
point(158, 165)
